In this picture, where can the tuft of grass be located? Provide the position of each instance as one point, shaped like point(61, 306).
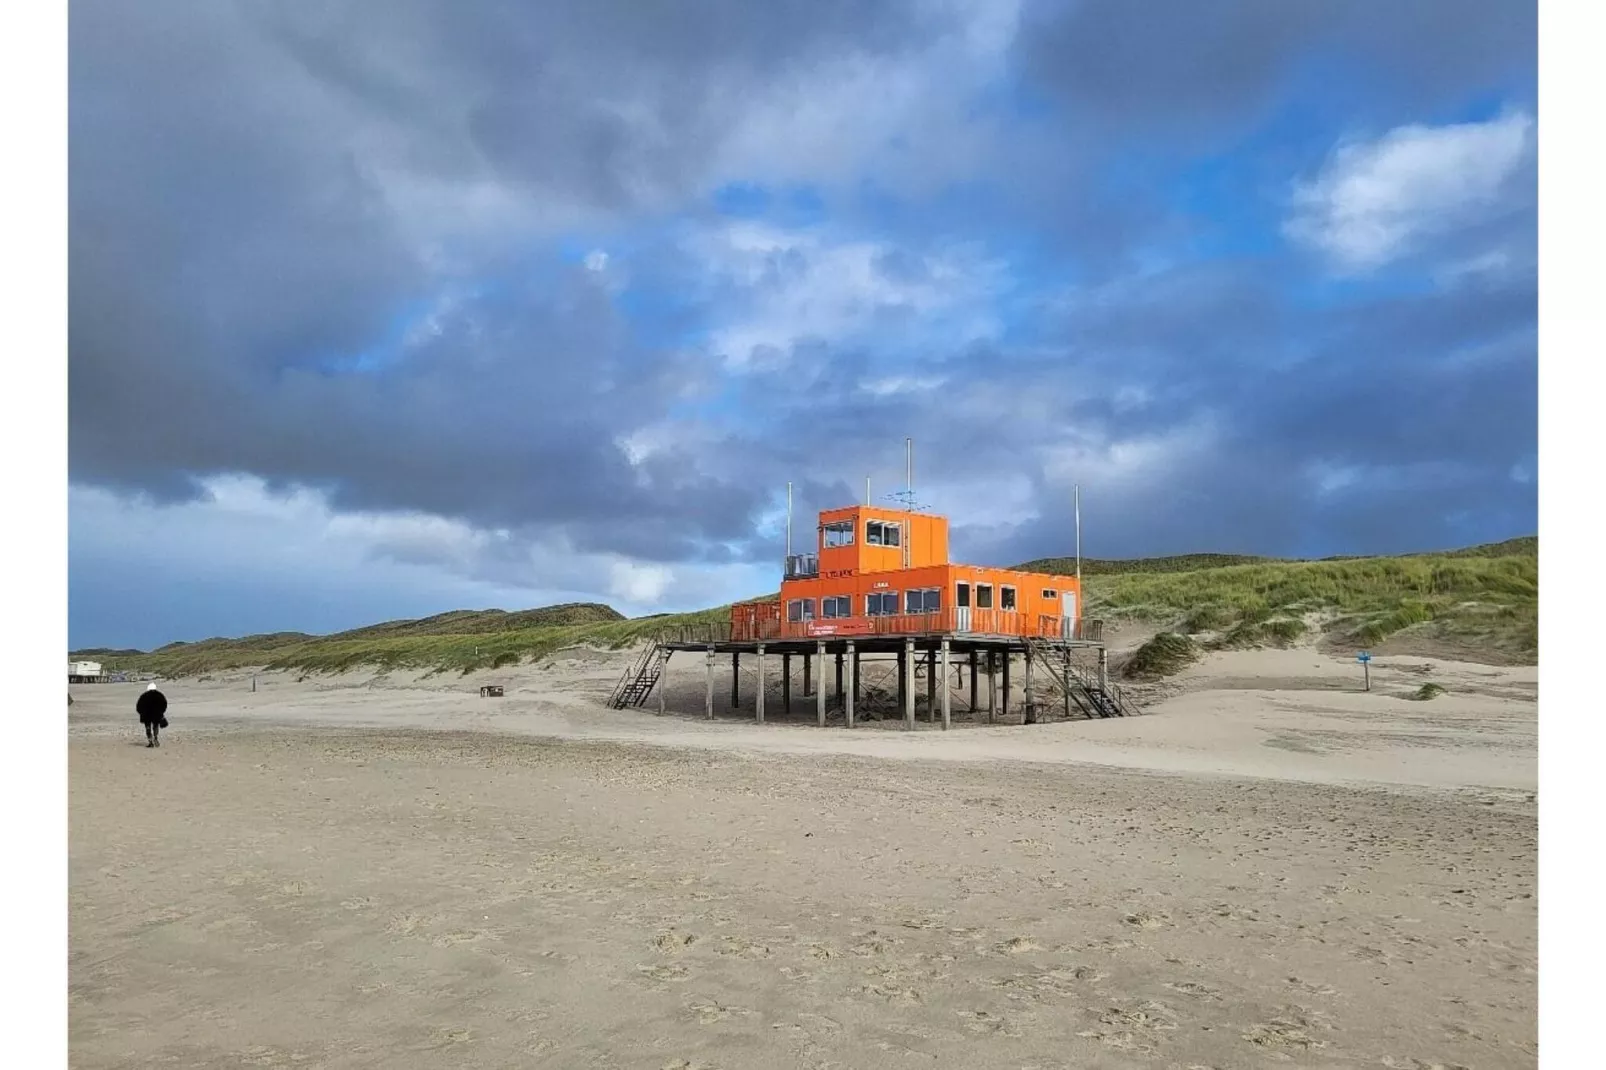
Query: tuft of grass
point(1164, 655)
point(1427, 691)
point(1212, 617)
point(1263, 631)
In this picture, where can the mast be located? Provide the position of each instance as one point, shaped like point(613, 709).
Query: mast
point(789, 520)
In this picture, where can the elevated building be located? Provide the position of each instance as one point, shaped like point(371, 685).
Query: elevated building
point(879, 584)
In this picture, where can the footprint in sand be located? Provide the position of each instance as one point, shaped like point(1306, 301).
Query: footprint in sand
point(1284, 1033)
point(1147, 921)
point(671, 941)
point(1019, 945)
point(1417, 1064)
point(664, 972)
point(711, 1012)
point(1194, 989)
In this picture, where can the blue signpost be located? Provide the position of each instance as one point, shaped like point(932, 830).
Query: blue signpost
point(1365, 658)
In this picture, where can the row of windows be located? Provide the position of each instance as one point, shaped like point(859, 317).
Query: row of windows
point(924, 600)
point(876, 533)
point(876, 604)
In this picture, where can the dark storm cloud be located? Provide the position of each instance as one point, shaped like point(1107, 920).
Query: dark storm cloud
point(240, 224)
point(1197, 70)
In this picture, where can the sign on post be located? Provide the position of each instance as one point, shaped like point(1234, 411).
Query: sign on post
point(1365, 658)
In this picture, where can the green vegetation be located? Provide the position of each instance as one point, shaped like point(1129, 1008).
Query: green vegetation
point(1164, 655)
point(1484, 599)
point(1427, 691)
point(422, 644)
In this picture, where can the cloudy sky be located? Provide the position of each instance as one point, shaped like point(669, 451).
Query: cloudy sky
point(380, 308)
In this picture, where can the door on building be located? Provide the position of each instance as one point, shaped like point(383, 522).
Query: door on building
point(962, 607)
point(1068, 615)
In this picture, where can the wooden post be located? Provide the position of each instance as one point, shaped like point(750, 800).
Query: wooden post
point(1104, 669)
point(819, 692)
point(1030, 714)
point(663, 678)
point(902, 690)
point(1065, 679)
point(786, 686)
point(858, 677)
point(758, 707)
point(931, 685)
point(847, 700)
point(736, 679)
point(808, 665)
point(972, 683)
point(708, 706)
point(993, 686)
point(909, 684)
point(1006, 657)
point(947, 692)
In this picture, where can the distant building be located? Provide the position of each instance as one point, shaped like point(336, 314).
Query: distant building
point(85, 672)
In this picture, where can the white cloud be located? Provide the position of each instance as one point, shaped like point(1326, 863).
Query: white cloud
point(596, 260)
point(790, 287)
point(1375, 199)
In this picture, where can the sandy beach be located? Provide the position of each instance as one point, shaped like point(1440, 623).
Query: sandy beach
point(1269, 867)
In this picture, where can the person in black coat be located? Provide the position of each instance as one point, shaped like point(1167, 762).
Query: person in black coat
point(152, 710)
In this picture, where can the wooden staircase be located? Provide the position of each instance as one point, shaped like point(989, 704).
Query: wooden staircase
point(1081, 687)
point(638, 680)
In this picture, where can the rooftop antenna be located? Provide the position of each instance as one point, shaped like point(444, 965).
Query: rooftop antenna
point(866, 490)
point(789, 520)
point(906, 496)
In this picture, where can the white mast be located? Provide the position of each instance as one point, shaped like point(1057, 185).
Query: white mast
point(1077, 495)
point(789, 520)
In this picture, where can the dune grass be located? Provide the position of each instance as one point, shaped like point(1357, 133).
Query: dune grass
point(1474, 598)
point(1164, 655)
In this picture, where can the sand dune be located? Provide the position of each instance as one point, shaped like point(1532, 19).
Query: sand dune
point(1267, 868)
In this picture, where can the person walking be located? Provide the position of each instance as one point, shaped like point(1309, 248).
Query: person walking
point(152, 710)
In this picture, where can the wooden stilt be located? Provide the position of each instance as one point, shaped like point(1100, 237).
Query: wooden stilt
point(992, 686)
point(758, 706)
point(908, 667)
point(808, 665)
point(947, 692)
point(786, 687)
point(1004, 657)
point(931, 685)
point(663, 679)
point(972, 683)
point(708, 706)
point(1104, 669)
point(1065, 679)
point(858, 677)
point(819, 692)
point(736, 679)
point(1029, 715)
point(847, 700)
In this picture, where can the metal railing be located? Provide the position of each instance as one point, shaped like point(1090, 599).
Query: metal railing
point(951, 621)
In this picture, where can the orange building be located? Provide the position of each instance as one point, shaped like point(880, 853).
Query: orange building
point(885, 572)
point(879, 585)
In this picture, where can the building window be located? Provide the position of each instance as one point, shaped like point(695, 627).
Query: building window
point(839, 606)
point(1006, 598)
point(984, 596)
point(962, 589)
point(1049, 592)
point(881, 533)
point(838, 533)
point(927, 600)
point(800, 609)
point(881, 603)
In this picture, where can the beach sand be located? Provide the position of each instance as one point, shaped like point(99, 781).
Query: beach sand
point(1268, 867)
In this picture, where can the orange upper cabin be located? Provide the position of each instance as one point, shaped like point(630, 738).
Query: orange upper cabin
point(886, 571)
